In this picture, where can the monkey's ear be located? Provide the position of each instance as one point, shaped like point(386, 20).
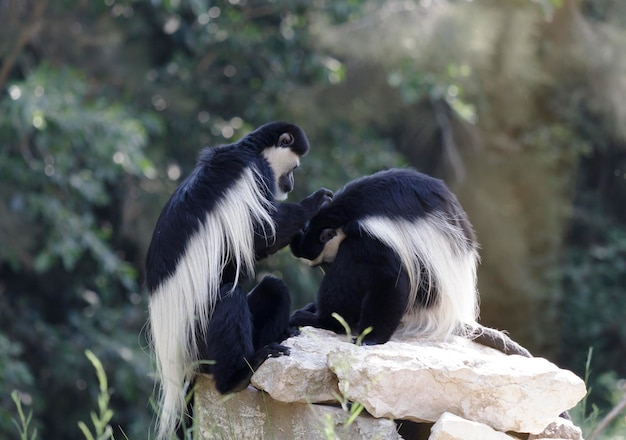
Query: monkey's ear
point(327, 235)
point(285, 140)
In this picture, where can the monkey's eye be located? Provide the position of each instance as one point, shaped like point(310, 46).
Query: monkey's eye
point(327, 235)
point(285, 140)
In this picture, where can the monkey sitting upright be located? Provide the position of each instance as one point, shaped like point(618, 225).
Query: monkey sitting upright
point(219, 221)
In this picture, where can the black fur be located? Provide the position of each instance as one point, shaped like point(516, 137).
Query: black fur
point(244, 331)
point(364, 286)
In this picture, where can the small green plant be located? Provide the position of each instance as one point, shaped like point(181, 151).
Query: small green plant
point(359, 339)
point(329, 422)
point(354, 409)
point(587, 419)
point(23, 426)
point(191, 427)
point(100, 420)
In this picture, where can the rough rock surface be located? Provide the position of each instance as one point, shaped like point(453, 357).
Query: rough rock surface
point(451, 427)
point(558, 429)
point(420, 380)
point(252, 414)
point(303, 376)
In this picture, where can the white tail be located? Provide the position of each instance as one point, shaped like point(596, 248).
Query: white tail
point(448, 259)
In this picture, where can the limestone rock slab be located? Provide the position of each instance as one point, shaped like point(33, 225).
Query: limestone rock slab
point(451, 427)
point(420, 381)
point(304, 375)
point(253, 414)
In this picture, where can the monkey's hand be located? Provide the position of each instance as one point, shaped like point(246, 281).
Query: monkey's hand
point(316, 201)
point(289, 219)
point(291, 332)
point(276, 350)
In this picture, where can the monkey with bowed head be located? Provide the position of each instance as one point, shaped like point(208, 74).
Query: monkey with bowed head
point(220, 220)
point(399, 256)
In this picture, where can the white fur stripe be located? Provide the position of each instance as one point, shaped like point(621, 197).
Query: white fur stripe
point(188, 297)
point(449, 261)
point(282, 161)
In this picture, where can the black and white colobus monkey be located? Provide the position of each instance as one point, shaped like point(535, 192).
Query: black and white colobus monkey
point(399, 255)
point(219, 221)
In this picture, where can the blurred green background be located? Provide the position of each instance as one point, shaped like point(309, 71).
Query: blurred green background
point(519, 105)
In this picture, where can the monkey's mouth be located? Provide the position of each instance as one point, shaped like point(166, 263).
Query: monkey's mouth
point(281, 196)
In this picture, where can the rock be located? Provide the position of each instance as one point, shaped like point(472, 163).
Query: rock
point(252, 414)
point(451, 427)
point(559, 429)
point(421, 380)
point(303, 376)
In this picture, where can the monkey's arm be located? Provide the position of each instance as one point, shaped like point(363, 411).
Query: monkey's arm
point(290, 219)
point(305, 316)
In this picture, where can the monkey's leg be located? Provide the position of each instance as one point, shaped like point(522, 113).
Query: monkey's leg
point(229, 343)
point(269, 303)
point(376, 291)
point(306, 316)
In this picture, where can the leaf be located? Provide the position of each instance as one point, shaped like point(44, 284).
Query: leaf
point(355, 411)
point(19, 427)
point(95, 421)
point(344, 324)
point(102, 378)
point(363, 334)
point(107, 416)
point(43, 262)
point(85, 431)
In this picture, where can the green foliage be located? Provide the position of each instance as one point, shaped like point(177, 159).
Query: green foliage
point(593, 309)
point(101, 419)
point(414, 85)
point(23, 426)
point(67, 153)
point(595, 423)
point(584, 417)
point(15, 375)
point(352, 409)
point(359, 339)
point(67, 159)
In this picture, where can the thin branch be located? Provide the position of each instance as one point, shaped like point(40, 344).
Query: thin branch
point(617, 409)
point(27, 34)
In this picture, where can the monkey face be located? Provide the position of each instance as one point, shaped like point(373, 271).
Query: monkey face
point(283, 161)
point(318, 245)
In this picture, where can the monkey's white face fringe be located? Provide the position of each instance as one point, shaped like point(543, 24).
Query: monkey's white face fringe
point(329, 252)
point(282, 161)
point(186, 300)
point(450, 263)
